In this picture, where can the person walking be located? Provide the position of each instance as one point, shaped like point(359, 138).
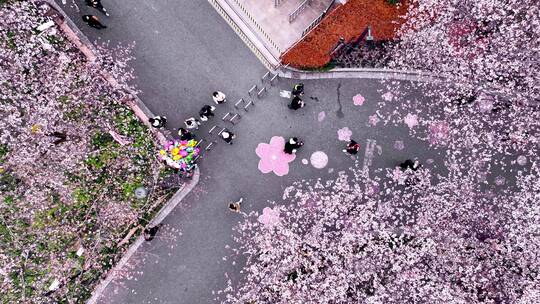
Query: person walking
point(219, 97)
point(97, 5)
point(352, 147)
point(192, 123)
point(292, 145)
point(298, 89)
point(158, 122)
point(296, 103)
point(185, 134)
point(206, 111)
point(235, 206)
point(410, 164)
point(227, 136)
point(93, 21)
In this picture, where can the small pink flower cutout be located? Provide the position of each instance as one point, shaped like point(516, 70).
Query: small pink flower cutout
point(388, 96)
point(344, 134)
point(269, 218)
point(373, 120)
point(358, 100)
point(439, 133)
point(411, 120)
point(273, 159)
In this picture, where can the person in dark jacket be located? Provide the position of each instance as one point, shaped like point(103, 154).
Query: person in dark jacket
point(93, 21)
point(185, 134)
point(352, 147)
point(206, 111)
point(296, 103)
point(292, 145)
point(235, 206)
point(227, 136)
point(158, 122)
point(97, 5)
point(410, 164)
point(298, 89)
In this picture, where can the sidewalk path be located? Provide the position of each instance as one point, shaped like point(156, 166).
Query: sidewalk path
point(184, 51)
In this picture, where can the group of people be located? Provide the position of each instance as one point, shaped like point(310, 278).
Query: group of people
point(293, 144)
point(296, 101)
point(192, 123)
point(206, 112)
point(93, 20)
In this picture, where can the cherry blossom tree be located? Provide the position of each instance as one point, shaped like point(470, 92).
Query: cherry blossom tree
point(483, 59)
point(478, 46)
point(71, 155)
point(356, 240)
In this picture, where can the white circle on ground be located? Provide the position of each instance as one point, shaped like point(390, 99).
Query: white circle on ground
point(319, 159)
point(305, 161)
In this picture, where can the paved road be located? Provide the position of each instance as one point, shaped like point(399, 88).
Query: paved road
point(184, 51)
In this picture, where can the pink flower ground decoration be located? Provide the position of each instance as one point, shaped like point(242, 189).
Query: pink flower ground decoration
point(273, 158)
point(358, 100)
point(344, 134)
point(269, 218)
point(373, 120)
point(411, 120)
point(388, 96)
point(438, 133)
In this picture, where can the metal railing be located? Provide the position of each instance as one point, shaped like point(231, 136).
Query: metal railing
point(240, 33)
point(315, 22)
point(246, 12)
point(277, 2)
point(299, 10)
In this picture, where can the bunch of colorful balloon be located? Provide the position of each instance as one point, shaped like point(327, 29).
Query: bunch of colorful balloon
point(180, 154)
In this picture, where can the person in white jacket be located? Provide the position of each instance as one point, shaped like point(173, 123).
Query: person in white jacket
point(219, 97)
point(192, 123)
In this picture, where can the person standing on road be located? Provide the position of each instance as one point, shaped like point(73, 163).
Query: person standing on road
point(296, 103)
point(97, 5)
point(298, 89)
point(185, 134)
point(158, 122)
point(93, 21)
point(292, 145)
point(235, 206)
point(206, 111)
point(410, 164)
point(352, 147)
point(219, 97)
point(227, 136)
point(192, 123)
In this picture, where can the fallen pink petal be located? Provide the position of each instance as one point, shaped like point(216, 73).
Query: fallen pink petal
point(358, 100)
point(321, 116)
